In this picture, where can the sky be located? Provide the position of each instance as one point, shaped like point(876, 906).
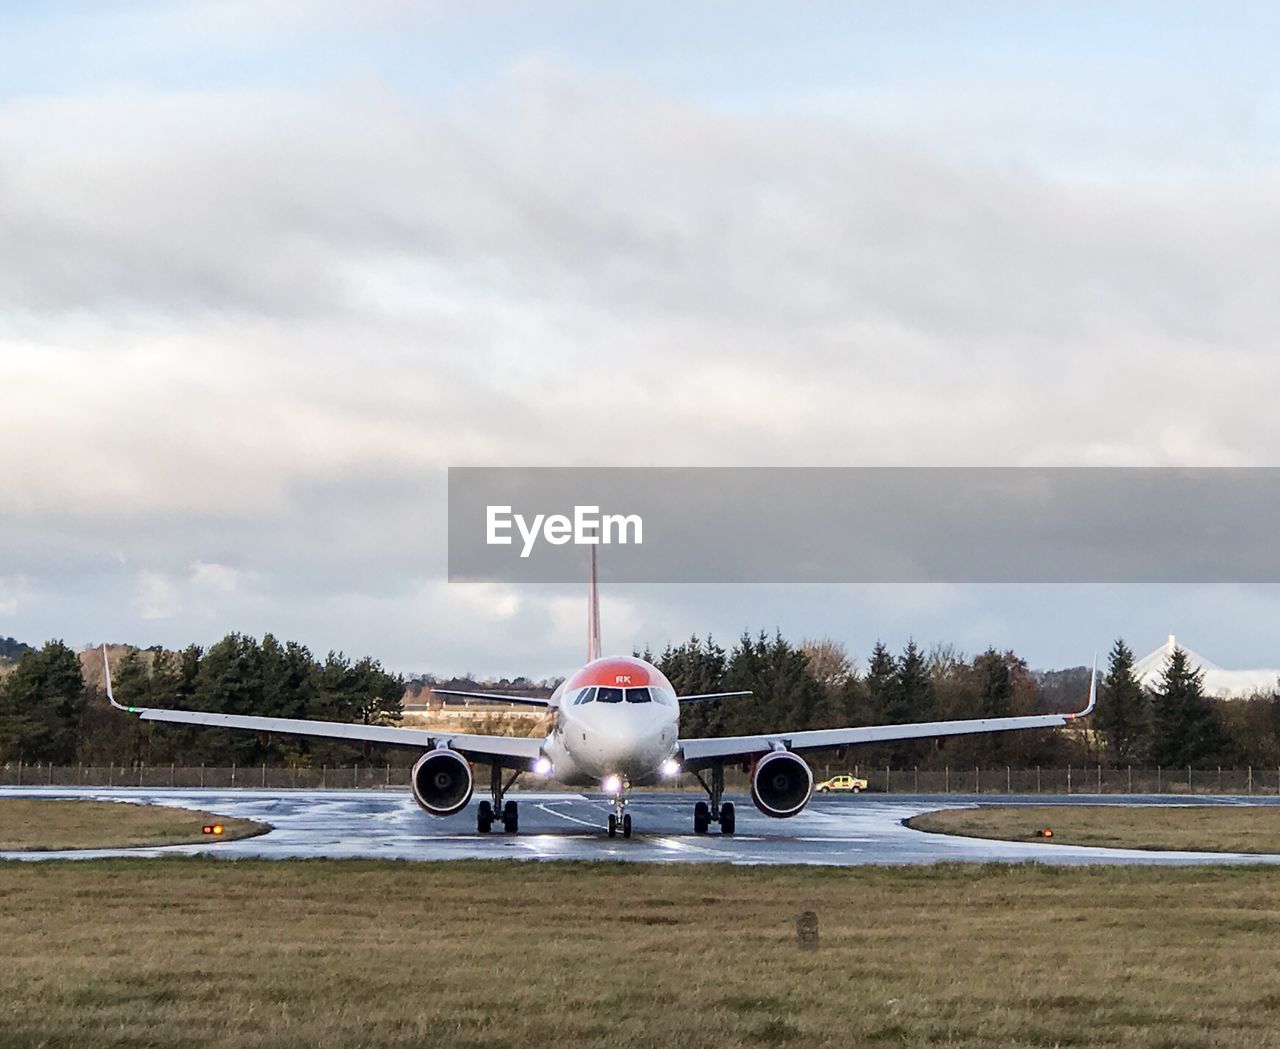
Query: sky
point(268, 268)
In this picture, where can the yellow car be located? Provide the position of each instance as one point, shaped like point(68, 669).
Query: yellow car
point(847, 783)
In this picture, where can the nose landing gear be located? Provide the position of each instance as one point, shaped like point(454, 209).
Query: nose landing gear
point(618, 819)
point(488, 810)
point(705, 814)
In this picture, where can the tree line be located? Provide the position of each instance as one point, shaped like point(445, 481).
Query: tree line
point(1177, 725)
point(816, 684)
point(49, 714)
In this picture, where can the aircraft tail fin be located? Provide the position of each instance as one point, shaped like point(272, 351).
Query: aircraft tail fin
point(593, 610)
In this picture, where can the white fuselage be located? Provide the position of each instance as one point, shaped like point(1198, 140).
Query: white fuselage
point(614, 717)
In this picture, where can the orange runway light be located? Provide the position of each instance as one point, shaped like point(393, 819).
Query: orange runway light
point(212, 828)
point(1046, 833)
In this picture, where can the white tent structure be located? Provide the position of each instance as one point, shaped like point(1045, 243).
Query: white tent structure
point(1220, 683)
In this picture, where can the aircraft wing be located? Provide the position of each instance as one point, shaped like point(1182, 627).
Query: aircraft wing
point(493, 697)
point(511, 751)
point(703, 753)
point(703, 697)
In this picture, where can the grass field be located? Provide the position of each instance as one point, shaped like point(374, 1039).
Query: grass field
point(46, 824)
point(1200, 828)
point(361, 953)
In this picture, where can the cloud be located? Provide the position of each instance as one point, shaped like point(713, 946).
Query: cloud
point(214, 578)
point(246, 329)
point(156, 596)
point(13, 593)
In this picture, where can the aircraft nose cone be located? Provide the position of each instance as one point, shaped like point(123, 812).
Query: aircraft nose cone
point(626, 742)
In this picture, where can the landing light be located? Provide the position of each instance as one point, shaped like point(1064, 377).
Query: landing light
point(542, 767)
point(670, 768)
point(612, 785)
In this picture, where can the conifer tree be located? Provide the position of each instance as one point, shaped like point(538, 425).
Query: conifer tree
point(41, 705)
point(881, 683)
point(1185, 730)
point(1124, 709)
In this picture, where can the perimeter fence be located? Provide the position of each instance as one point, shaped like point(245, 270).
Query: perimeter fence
point(1092, 779)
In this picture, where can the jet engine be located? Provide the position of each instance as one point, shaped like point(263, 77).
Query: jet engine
point(441, 782)
point(781, 784)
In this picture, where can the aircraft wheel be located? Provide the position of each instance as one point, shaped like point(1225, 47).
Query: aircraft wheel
point(728, 818)
point(510, 817)
point(626, 825)
point(613, 825)
point(701, 818)
point(484, 817)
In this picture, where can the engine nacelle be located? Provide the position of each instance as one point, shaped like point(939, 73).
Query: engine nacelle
point(441, 782)
point(781, 784)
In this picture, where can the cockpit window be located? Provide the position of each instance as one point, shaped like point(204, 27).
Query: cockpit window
point(584, 696)
point(639, 695)
point(609, 695)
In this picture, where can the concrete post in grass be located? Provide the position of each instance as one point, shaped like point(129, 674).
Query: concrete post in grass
point(807, 930)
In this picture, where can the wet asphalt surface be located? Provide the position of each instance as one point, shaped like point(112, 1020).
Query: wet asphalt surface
point(834, 830)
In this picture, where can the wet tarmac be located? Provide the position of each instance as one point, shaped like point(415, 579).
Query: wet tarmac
point(834, 831)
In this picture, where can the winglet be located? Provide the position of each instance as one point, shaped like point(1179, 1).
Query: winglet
point(106, 676)
point(1093, 692)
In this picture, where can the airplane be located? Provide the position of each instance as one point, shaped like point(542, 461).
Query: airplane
point(616, 725)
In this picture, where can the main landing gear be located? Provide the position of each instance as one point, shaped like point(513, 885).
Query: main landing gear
point(620, 820)
point(488, 809)
point(704, 815)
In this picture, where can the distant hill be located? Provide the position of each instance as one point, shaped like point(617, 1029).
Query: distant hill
point(418, 688)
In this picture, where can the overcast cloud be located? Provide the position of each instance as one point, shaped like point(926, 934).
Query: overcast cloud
point(266, 270)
